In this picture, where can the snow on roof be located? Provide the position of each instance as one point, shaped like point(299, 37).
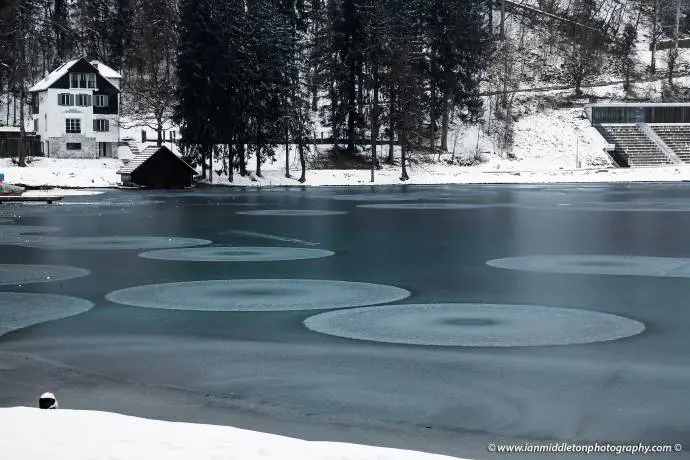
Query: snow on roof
point(55, 75)
point(105, 71)
point(137, 160)
point(9, 129)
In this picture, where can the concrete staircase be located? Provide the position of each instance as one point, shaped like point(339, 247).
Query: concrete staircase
point(677, 137)
point(633, 146)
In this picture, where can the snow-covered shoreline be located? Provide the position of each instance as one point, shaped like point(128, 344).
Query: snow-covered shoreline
point(553, 146)
point(29, 433)
point(94, 174)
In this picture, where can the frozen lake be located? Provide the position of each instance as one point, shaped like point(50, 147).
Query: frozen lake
point(524, 312)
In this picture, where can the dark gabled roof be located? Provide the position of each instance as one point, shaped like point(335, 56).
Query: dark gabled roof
point(61, 71)
point(147, 153)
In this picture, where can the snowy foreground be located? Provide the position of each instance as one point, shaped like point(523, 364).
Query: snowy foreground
point(32, 434)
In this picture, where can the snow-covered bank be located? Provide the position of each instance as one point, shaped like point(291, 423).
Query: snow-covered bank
point(549, 146)
point(437, 174)
point(101, 173)
point(30, 434)
point(68, 173)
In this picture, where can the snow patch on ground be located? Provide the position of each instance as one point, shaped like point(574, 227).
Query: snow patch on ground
point(69, 173)
point(29, 434)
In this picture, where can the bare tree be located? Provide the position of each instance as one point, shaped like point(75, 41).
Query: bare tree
point(149, 102)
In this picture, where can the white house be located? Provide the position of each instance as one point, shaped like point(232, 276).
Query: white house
point(76, 110)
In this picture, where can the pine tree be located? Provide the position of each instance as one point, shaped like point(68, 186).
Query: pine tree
point(199, 49)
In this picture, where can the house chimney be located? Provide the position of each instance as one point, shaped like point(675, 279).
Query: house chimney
point(45, 74)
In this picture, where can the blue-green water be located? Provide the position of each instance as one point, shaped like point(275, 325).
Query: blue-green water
point(264, 369)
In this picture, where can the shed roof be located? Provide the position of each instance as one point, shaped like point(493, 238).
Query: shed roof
point(147, 153)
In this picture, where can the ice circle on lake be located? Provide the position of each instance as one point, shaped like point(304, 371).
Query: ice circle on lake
point(292, 212)
point(112, 242)
point(598, 265)
point(257, 295)
point(474, 325)
point(14, 274)
point(426, 206)
point(19, 310)
point(236, 254)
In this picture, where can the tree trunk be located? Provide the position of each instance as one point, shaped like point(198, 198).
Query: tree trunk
point(314, 92)
point(403, 157)
point(159, 130)
point(243, 158)
point(334, 121)
point(287, 151)
point(374, 117)
point(503, 20)
point(231, 161)
point(21, 151)
point(444, 122)
point(302, 161)
point(259, 146)
point(204, 149)
point(391, 129)
point(211, 154)
point(432, 115)
point(655, 25)
point(351, 109)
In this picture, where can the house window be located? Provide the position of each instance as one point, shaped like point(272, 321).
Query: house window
point(74, 146)
point(72, 125)
point(65, 99)
point(83, 100)
point(100, 100)
point(36, 125)
point(82, 80)
point(101, 125)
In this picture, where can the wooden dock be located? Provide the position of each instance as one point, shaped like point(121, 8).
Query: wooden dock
point(20, 199)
